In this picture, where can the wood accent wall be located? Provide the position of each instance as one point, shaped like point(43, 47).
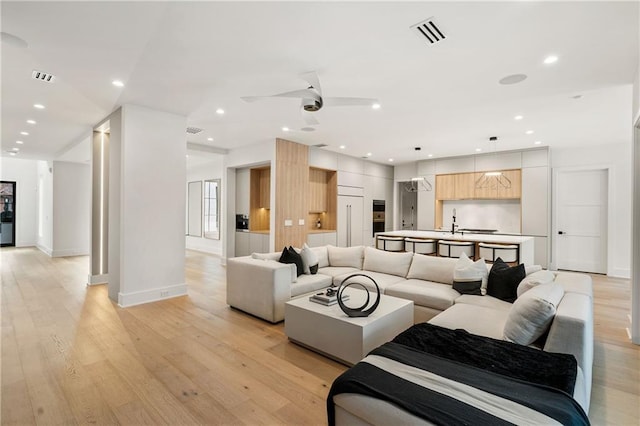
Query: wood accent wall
point(259, 196)
point(292, 191)
point(323, 193)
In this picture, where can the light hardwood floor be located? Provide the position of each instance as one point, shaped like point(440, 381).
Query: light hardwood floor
point(70, 355)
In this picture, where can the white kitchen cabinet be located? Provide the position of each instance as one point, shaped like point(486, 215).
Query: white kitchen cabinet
point(242, 244)
point(350, 216)
point(319, 239)
point(534, 201)
point(258, 242)
point(242, 191)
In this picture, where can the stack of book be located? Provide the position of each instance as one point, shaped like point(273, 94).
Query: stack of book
point(323, 299)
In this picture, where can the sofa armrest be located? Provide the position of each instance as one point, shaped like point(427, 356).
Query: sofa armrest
point(571, 332)
point(259, 287)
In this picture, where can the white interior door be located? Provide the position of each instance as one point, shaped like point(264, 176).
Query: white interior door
point(357, 221)
point(581, 214)
point(408, 206)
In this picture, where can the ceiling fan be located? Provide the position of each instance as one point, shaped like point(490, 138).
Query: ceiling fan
point(312, 99)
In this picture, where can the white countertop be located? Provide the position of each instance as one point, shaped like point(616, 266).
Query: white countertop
point(444, 235)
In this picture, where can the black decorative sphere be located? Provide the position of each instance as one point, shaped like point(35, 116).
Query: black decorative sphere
point(360, 311)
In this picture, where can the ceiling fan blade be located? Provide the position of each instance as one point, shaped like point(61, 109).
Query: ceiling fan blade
point(298, 94)
point(311, 77)
point(309, 118)
point(349, 101)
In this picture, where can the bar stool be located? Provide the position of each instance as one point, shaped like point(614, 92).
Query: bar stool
point(420, 246)
point(507, 252)
point(388, 243)
point(447, 248)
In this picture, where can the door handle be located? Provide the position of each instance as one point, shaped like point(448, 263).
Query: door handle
point(561, 232)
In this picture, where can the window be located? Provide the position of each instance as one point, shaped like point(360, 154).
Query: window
point(212, 209)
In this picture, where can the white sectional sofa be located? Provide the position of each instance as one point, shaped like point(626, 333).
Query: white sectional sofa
point(259, 285)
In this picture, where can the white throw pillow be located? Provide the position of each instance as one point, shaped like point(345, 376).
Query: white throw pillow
point(323, 256)
point(530, 269)
point(387, 262)
point(535, 279)
point(346, 256)
point(432, 268)
point(531, 314)
point(309, 259)
point(468, 270)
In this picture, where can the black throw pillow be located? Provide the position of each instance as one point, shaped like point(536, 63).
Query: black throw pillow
point(289, 255)
point(313, 269)
point(468, 287)
point(503, 280)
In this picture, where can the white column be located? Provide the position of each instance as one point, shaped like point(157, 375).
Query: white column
point(146, 206)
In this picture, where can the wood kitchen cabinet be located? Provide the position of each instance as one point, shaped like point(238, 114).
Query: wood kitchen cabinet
point(260, 198)
point(458, 186)
point(515, 190)
point(445, 187)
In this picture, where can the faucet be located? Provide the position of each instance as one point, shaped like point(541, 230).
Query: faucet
point(453, 224)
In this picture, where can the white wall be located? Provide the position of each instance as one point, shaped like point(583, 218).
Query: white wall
point(615, 157)
point(71, 209)
point(45, 207)
point(152, 214)
point(25, 174)
point(211, 169)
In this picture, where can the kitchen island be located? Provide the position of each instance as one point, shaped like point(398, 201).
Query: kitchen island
point(525, 244)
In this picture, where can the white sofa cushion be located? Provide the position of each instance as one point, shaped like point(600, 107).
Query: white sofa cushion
point(383, 280)
point(334, 271)
point(486, 301)
point(533, 280)
point(323, 256)
point(424, 293)
point(466, 271)
point(308, 283)
point(346, 256)
point(431, 268)
point(531, 314)
point(475, 319)
point(387, 262)
point(266, 256)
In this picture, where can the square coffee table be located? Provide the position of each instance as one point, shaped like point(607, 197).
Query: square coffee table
point(329, 331)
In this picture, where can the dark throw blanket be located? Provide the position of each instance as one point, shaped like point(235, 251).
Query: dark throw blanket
point(494, 382)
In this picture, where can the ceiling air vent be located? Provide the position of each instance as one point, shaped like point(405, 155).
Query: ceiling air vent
point(43, 76)
point(427, 30)
point(319, 145)
point(193, 130)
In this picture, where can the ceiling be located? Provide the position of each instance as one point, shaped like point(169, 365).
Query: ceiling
point(193, 58)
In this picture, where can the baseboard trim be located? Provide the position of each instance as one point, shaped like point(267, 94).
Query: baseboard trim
point(98, 279)
point(620, 273)
point(44, 249)
point(69, 252)
point(126, 300)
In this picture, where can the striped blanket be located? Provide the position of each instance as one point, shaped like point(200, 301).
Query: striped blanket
point(452, 392)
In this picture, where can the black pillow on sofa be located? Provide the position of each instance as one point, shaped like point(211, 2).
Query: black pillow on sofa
point(468, 287)
point(503, 280)
point(289, 255)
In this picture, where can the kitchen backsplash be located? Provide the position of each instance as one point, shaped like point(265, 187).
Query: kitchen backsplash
point(502, 215)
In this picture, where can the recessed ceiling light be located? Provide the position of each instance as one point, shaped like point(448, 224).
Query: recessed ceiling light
point(369, 154)
point(187, 155)
point(551, 59)
point(342, 147)
point(478, 149)
point(529, 132)
point(24, 133)
point(210, 139)
point(430, 155)
point(518, 117)
point(220, 111)
point(537, 142)
point(513, 79)
point(391, 160)
point(117, 83)
point(31, 121)
point(375, 106)
point(285, 129)
point(19, 142)
point(15, 149)
point(39, 106)
point(12, 153)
